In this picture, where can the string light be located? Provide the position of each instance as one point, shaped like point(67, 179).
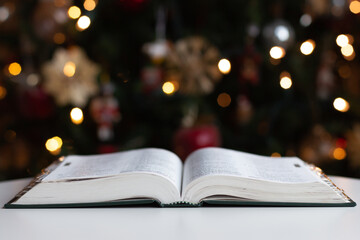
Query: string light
point(89, 5)
point(53, 145)
point(307, 47)
point(347, 50)
point(168, 88)
point(14, 68)
point(339, 153)
point(342, 40)
point(285, 80)
point(277, 52)
point(355, 7)
point(224, 100)
point(224, 66)
point(83, 23)
point(341, 104)
point(69, 69)
point(76, 116)
point(74, 12)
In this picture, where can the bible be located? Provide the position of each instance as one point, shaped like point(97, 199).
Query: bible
point(157, 176)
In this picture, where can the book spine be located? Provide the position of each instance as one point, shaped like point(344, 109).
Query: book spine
point(181, 204)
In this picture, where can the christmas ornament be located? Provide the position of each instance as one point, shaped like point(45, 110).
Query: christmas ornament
point(187, 140)
point(279, 33)
point(193, 61)
point(105, 112)
point(70, 77)
point(157, 50)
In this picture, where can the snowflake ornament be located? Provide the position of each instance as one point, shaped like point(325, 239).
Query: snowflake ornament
point(70, 77)
point(193, 63)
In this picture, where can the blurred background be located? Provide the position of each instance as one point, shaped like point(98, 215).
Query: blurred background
point(277, 78)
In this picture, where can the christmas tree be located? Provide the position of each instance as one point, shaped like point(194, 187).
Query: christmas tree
point(275, 78)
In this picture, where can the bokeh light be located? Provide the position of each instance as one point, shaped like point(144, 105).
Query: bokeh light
point(342, 40)
point(307, 47)
point(89, 5)
point(341, 104)
point(53, 145)
point(74, 12)
point(76, 116)
point(83, 23)
point(69, 69)
point(14, 68)
point(355, 7)
point(168, 88)
point(347, 50)
point(224, 100)
point(339, 153)
point(224, 66)
point(277, 52)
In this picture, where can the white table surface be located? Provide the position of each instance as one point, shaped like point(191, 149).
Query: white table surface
point(181, 223)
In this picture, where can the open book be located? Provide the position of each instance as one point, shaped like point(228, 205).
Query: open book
point(208, 176)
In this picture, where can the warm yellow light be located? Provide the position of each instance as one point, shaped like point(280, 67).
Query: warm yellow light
point(83, 23)
point(168, 88)
point(339, 153)
point(76, 116)
point(74, 12)
point(307, 47)
point(341, 104)
point(347, 50)
point(2, 92)
point(275, 154)
point(69, 69)
point(285, 82)
point(224, 100)
point(277, 52)
point(89, 5)
point(342, 40)
point(355, 7)
point(14, 68)
point(224, 66)
point(54, 144)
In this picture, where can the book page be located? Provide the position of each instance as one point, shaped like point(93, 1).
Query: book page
point(150, 160)
point(218, 161)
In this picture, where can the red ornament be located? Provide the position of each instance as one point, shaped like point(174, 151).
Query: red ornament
point(187, 140)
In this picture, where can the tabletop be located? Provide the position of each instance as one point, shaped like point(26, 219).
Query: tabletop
point(181, 223)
